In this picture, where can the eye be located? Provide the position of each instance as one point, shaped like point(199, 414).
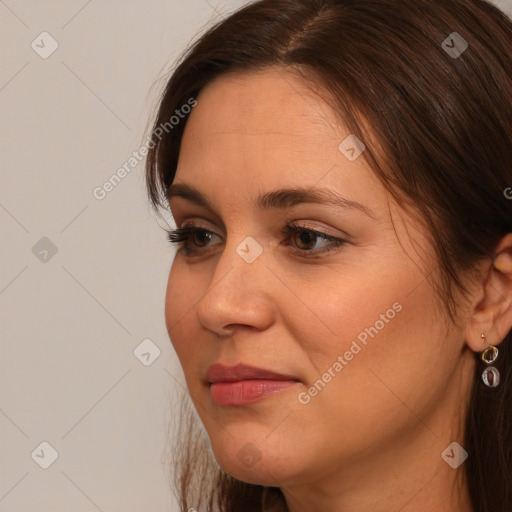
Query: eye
point(183, 237)
point(194, 239)
point(306, 239)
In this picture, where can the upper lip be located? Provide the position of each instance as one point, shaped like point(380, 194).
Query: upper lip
point(220, 373)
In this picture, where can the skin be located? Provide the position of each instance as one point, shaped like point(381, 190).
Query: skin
point(372, 439)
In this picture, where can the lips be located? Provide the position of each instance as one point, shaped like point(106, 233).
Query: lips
point(241, 384)
point(221, 373)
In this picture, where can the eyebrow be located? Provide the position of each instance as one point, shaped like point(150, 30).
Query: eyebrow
point(277, 199)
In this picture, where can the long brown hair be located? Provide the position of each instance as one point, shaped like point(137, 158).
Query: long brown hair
point(440, 142)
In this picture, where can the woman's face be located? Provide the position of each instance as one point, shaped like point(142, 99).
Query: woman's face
point(354, 326)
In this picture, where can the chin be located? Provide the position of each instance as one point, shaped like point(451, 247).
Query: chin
point(260, 462)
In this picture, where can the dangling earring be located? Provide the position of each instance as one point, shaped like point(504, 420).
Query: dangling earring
point(490, 375)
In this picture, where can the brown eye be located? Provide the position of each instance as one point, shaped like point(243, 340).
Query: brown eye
point(305, 239)
point(191, 239)
point(201, 238)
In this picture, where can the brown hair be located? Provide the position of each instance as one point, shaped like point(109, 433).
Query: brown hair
point(440, 142)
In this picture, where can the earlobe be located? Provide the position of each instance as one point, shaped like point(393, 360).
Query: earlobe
point(495, 322)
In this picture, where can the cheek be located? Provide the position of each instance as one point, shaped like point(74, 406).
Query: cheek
point(384, 322)
point(383, 345)
point(180, 299)
point(349, 308)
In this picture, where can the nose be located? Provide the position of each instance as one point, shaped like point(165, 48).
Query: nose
point(238, 295)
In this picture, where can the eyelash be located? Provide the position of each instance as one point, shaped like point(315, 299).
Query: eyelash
point(180, 236)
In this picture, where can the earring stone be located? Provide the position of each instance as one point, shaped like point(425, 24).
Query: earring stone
point(489, 355)
point(491, 377)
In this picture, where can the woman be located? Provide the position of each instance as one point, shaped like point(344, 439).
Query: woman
point(339, 172)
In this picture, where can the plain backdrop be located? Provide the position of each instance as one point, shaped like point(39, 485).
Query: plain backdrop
point(87, 372)
point(82, 278)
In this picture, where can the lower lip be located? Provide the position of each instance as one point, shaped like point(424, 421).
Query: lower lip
point(246, 391)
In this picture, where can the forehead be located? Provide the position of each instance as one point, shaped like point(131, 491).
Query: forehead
point(271, 105)
point(265, 126)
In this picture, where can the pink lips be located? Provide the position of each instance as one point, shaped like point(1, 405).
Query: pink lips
point(242, 384)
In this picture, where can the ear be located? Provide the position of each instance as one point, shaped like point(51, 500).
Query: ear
point(491, 312)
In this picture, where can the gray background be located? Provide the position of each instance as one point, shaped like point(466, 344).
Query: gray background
point(70, 323)
point(72, 319)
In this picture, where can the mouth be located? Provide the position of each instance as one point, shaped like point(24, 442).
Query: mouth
point(242, 384)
